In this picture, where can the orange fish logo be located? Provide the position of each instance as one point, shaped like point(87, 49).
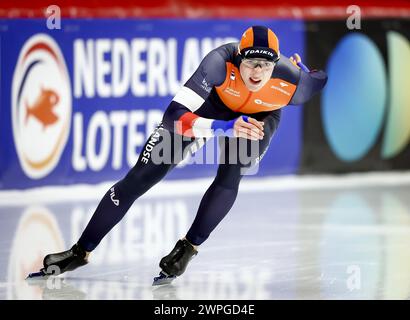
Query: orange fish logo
point(42, 109)
point(41, 99)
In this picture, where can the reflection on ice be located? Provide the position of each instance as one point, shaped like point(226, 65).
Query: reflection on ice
point(319, 243)
point(241, 284)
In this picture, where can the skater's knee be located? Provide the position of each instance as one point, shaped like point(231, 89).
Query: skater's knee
point(229, 178)
point(134, 183)
point(231, 184)
point(138, 181)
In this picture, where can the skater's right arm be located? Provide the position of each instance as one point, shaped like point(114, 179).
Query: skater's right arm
point(180, 117)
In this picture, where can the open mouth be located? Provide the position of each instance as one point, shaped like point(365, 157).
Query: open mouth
point(255, 82)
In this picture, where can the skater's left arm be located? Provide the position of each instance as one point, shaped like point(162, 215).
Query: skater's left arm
point(310, 81)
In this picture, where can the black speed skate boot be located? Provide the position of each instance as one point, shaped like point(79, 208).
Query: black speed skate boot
point(58, 263)
point(175, 263)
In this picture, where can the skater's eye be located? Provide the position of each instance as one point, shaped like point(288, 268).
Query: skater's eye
point(253, 63)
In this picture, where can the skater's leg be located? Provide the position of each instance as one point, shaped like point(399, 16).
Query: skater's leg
point(221, 195)
point(216, 203)
point(116, 202)
point(118, 199)
point(214, 206)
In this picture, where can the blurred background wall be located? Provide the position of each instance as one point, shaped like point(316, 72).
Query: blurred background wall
point(79, 96)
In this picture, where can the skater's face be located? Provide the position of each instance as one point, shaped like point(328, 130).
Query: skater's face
point(256, 72)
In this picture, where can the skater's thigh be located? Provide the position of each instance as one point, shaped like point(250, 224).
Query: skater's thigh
point(271, 123)
point(245, 153)
point(161, 153)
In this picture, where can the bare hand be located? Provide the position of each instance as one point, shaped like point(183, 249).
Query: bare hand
point(252, 130)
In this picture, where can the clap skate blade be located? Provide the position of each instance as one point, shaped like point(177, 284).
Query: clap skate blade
point(38, 275)
point(162, 279)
